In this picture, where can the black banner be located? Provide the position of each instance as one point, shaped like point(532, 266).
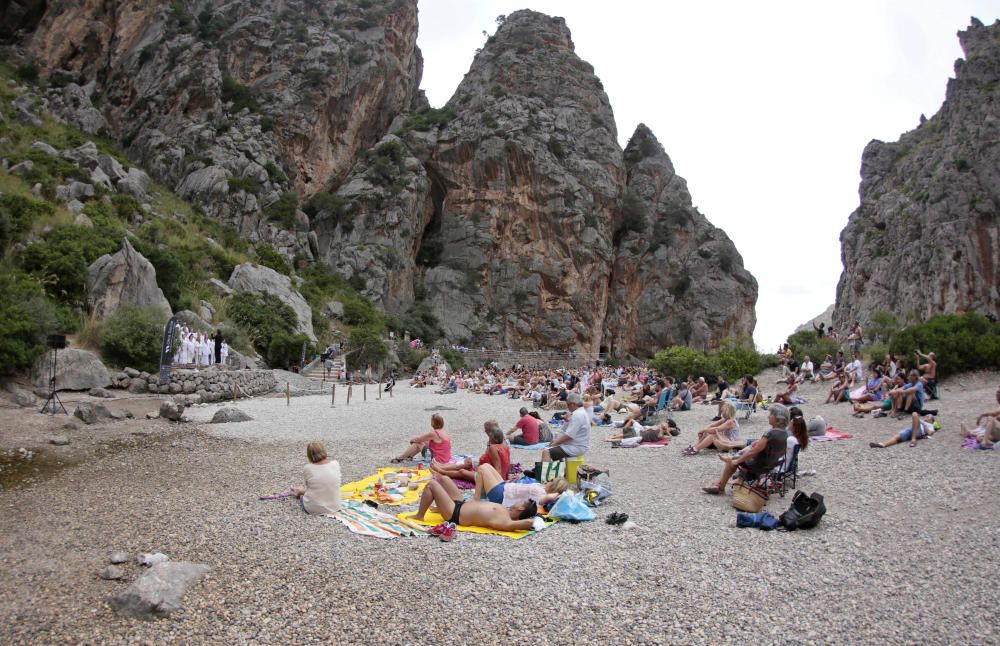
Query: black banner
point(167, 353)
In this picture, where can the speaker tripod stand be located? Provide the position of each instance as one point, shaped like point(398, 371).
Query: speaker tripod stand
point(53, 404)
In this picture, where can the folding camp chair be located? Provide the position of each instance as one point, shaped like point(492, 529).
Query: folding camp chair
point(778, 478)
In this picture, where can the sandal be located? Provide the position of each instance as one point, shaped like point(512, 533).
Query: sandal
point(690, 450)
point(876, 445)
point(616, 518)
point(396, 460)
point(715, 491)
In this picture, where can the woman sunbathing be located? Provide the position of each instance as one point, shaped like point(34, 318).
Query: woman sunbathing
point(497, 454)
point(919, 429)
point(437, 442)
point(491, 486)
point(723, 434)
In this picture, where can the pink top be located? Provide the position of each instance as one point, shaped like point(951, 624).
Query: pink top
point(441, 448)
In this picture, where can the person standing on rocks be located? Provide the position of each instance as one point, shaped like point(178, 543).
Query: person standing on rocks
point(218, 346)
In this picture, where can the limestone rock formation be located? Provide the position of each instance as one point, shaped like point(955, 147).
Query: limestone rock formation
point(259, 279)
point(676, 280)
point(123, 278)
point(159, 591)
point(233, 103)
point(75, 370)
point(926, 237)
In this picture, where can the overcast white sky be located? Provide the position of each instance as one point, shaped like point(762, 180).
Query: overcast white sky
point(764, 107)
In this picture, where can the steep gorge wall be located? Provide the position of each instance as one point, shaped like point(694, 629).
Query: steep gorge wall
point(926, 237)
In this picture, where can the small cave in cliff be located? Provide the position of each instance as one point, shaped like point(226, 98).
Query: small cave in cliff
point(431, 244)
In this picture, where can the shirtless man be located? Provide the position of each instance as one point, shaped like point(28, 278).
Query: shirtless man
point(928, 372)
point(475, 513)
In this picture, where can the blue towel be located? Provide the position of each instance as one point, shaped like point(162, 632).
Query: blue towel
point(530, 447)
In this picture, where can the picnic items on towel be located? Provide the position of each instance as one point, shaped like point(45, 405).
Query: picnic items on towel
point(831, 435)
point(805, 511)
point(749, 497)
point(571, 507)
point(385, 487)
point(365, 521)
point(432, 519)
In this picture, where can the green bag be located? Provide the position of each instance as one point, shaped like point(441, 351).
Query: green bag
point(546, 471)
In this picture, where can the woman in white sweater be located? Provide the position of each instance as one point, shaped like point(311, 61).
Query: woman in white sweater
point(321, 493)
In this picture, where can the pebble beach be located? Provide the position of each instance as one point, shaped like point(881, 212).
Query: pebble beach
point(907, 552)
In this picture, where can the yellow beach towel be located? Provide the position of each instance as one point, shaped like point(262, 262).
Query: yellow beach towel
point(354, 490)
point(431, 519)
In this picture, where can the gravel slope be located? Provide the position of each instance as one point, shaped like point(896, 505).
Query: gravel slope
point(907, 552)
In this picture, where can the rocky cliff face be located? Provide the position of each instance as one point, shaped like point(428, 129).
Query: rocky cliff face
point(926, 237)
point(240, 106)
point(512, 213)
point(676, 279)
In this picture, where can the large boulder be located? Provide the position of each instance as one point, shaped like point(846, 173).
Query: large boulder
point(123, 278)
point(75, 370)
point(264, 280)
point(229, 415)
point(172, 410)
point(158, 592)
point(92, 412)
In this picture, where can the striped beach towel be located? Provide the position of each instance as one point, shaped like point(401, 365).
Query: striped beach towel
point(362, 519)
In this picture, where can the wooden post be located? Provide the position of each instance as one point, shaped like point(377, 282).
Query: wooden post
point(288, 394)
point(234, 388)
point(364, 390)
point(350, 387)
point(333, 395)
point(380, 387)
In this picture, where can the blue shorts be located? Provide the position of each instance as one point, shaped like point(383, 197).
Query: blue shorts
point(905, 435)
point(496, 494)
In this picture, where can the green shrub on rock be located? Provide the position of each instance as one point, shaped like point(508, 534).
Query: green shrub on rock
point(27, 318)
point(366, 349)
point(962, 342)
point(132, 336)
point(285, 350)
point(261, 317)
point(681, 361)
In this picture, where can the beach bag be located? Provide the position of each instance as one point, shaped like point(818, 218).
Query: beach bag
point(545, 433)
point(595, 491)
point(546, 471)
point(749, 497)
point(571, 506)
point(805, 512)
point(588, 472)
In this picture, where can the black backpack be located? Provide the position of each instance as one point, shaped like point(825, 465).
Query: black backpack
point(804, 513)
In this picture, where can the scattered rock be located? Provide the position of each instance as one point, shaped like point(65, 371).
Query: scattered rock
point(91, 412)
point(334, 310)
point(150, 559)
point(158, 592)
point(59, 440)
point(118, 557)
point(131, 372)
point(99, 392)
point(45, 148)
point(220, 287)
point(22, 168)
point(123, 278)
point(229, 415)
point(138, 387)
point(171, 410)
point(111, 573)
point(75, 370)
point(71, 426)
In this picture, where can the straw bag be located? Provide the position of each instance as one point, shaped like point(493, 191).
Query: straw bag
point(749, 498)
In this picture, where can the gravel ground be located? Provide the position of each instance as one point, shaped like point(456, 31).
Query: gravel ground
point(887, 563)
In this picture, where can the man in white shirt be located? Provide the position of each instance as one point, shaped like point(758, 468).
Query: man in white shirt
point(806, 370)
point(856, 370)
point(575, 440)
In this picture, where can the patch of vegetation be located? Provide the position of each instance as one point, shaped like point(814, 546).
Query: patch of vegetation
point(339, 210)
point(131, 337)
point(239, 95)
point(27, 72)
point(246, 184)
point(18, 214)
point(28, 316)
point(962, 342)
point(736, 357)
point(807, 343)
point(429, 254)
point(557, 148)
point(427, 119)
point(680, 284)
point(267, 256)
point(420, 322)
point(283, 209)
point(285, 350)
point(727, 259)
point(632, 211)
point(61, 258)
point(261, 317)
point(454, 358)
point(370, 349)
point(275, 174)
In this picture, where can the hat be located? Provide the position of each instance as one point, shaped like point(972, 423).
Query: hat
point(574, 398)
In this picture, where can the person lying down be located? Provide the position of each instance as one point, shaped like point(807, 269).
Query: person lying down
point(475, 513)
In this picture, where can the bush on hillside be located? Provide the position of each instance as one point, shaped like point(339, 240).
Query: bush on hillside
point(17, 215)
point(261, 317)
point(738, 358)
point(421, 323)
point(680, 361)
point(27, 318)
point(454, 358)
point(807, 342)
point(285, 350)
point(367, 349)
point(133, 336)
point(61, 258)
point(267, 256)
point(411, 357)
point(961, 342)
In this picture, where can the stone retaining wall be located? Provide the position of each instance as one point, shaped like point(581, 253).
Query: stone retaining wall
point(205, 385)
